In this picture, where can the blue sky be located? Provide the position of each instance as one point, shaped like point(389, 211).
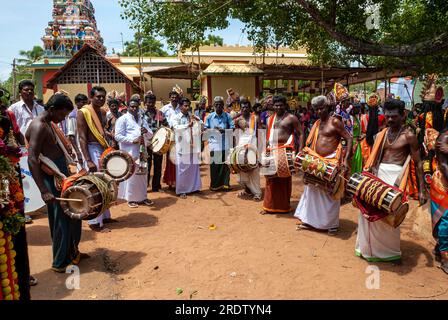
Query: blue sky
point(23, 23)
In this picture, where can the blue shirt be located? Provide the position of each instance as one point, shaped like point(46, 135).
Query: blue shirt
point(217, 141)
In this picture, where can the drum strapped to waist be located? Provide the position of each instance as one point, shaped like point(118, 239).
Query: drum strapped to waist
point(162, 141)
point(318, 172)
point(243, 158)
point(278, 163)
point(98, 193)
point(117, 164)
point(380, 196)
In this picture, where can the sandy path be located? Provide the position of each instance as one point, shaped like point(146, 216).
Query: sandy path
point(153, 251)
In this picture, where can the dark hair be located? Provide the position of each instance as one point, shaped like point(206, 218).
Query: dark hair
point(80, 97)
point(281, 99)
point(394, 104)
point(97, 89)
point(150, 96)
point(248, 102)
point(24, 83)
point(134, 100)
point(174, 93)
point(59, 102)
point(113, 101)
point(183, 100)
point(372, 126)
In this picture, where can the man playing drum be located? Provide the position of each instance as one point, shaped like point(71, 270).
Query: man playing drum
point(91, 121)
point(155, 120)
point(389, 161)
point(318, 209)
point(188, 150)
point(65, 232)
point(130, 129)
point(280, 135)
point(248, 123)
point(439, 200)
point(169, 111)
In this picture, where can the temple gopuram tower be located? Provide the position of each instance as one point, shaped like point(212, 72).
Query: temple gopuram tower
point(73, 26)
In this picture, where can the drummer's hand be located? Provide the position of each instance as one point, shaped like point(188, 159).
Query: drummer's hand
point(91, 166)
point(144, 131)
point(48, 197)
point(137, 140)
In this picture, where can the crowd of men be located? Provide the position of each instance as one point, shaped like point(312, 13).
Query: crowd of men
point(384, 139)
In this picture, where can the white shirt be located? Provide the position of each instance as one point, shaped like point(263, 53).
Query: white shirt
point(24, 115)
point(188, 140)
point(127, 130)
point(168, 112)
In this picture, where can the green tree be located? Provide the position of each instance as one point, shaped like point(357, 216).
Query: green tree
point(213, 40)
point(150, 46)
point(30, 56)
point(406, 34)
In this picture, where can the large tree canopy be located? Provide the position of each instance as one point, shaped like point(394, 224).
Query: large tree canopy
point(409, 34)
point(149, 46)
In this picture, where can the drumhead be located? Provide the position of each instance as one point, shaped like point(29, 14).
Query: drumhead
point(117, 167)
point(252, 157)
point(78, 207)
point(159, 139)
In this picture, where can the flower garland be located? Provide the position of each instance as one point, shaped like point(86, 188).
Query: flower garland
point(11, 205)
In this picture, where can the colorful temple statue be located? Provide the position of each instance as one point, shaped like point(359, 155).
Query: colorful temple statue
point(73, 25)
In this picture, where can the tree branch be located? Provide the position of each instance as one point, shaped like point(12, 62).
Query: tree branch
point(359, 46)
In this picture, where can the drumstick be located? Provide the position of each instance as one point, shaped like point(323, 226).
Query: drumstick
point(69, 200)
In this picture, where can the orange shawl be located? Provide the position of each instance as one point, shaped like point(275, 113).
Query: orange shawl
point(376, 155)
point(311, 142)
point(286, 145)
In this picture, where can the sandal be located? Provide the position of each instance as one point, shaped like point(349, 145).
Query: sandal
point(97, 228)
point(303, 226)
point(183, 196)
point(59, 270)
point(148, 202)
point(243, 194)
point(257, 198)
point(33, 281)
point(332, 231)
point(132, 204)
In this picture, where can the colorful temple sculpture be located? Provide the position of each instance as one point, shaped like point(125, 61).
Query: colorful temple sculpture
point(73, 26)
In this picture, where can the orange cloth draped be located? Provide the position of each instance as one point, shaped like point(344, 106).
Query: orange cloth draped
point(67, 183)
point(376, 152)
point(412, 182)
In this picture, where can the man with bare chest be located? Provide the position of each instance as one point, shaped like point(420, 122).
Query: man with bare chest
point(247, 124)
point(91, 121)
point(65, 232)
point(280, 134)
point(439, 200)
point(389, 161)
point(317, 208)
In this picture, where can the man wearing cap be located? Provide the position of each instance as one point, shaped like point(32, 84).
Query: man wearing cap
point(219, 144)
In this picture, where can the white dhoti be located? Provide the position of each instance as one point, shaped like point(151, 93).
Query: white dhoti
point(377, 241)
point(317, 209)
point(134, 189)
point(95, 152)
point(188, 173)
point(251, 181)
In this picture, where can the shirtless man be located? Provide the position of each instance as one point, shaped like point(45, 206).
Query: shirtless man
point(248, 124)
point(318, 209)
point(65, 232)
point(280, 134)
point(93, 143)
point(439, 201)
point(378, 241)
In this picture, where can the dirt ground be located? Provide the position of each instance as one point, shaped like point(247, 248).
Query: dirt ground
point(153, 252)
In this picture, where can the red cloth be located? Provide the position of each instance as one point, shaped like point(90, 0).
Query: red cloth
point(13, 119)
point(169, 177)
point(277, 195)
